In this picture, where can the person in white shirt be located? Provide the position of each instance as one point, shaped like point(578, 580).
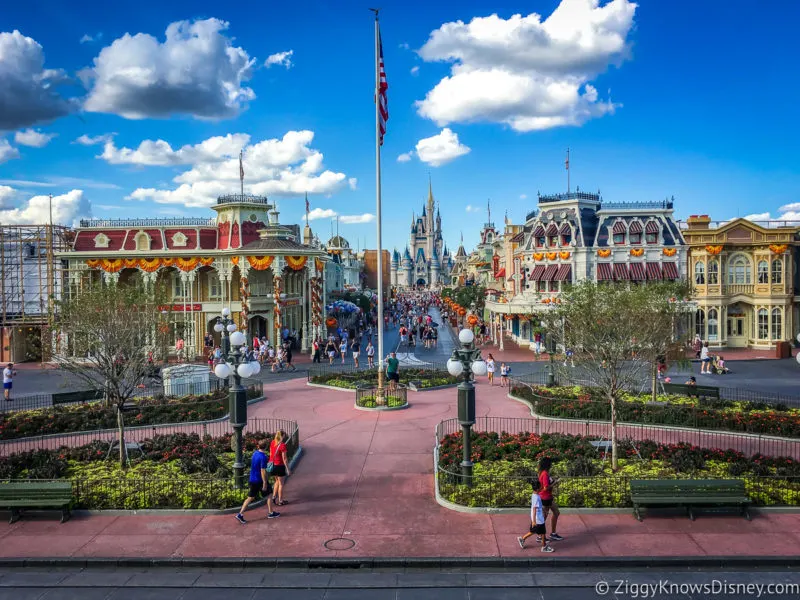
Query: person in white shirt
point(8, 377)
point(705, 360)
point(490, 368)
point(370, 355)
point(537, 527)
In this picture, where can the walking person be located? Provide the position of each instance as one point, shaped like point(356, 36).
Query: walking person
point(355, 347)
point(505, 371)
point(280, 465)
point(343, 348)
point(393, 370)
point(8, 380)
point(259, 483)
point(317, 351)
point(287, 353)
point(705, 360)
point(490, 367)
point(697, 345)
point(547, 484)
point(538, 527)
point(330, 350)
point(370, 355)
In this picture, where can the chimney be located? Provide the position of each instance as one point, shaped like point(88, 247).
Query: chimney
point(698, 222)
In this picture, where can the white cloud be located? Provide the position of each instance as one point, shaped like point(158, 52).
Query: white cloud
point(279, 167)
point(6, 195)
point(357, 219)
point(283, 59)
point(33, 138)
point(27, 94)
point(59, 181)
point(86, 38)
point(67, 209)
point(321, 213)
point(353, 183)
point(86, 140)
point(415, 70)
point(789, 212)
point(111, 207)
point(471, 208)
point(7, 151)
point(441, 148)
point(404, 46)
point(523, 196)
point(196, 71)
point(405, 156)
point(525, 72)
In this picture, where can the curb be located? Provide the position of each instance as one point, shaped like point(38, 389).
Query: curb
point(382, 409)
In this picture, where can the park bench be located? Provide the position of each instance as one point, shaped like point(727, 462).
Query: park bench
point(18, 495)
point(689, 493)
point(693, 391)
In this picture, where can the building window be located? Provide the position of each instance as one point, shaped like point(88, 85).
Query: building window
point(651, 238)
point(636, 238)
point(777, 271)
point(101, 240)
point(178, 289)
point(142, 241)
point(553, 286)
point(713, 324)
point(700, 273)
point(739, 271)
point(539, 241)
point(700, 323)
point(777, 329)
point(619, 238)
point(179, 240)
point(214, 286)
point(763, 324)
point(566, 239)
point(763, 271)
point(552, 241)
point(713, 272)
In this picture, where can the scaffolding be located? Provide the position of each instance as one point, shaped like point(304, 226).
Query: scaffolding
point(31, 280)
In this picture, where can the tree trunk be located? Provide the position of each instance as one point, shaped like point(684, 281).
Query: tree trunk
point(654, 386)
point(123, 451)
point(613, 432)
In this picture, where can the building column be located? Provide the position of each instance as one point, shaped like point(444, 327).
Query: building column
point(305, 345)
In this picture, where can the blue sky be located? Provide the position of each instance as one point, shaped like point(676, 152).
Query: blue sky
point(702, 93)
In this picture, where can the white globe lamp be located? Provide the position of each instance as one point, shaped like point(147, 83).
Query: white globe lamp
point(222, 370)
point(455, 368)
point(226, 312)
point(798, 337)
point(237, 338)
point(479, 367)
point(465, 336)
point(218, 327)
point(244, 370)
point(798, 358)
point(231, 327)
point(255, 368)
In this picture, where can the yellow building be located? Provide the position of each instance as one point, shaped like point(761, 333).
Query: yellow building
point(743, 278)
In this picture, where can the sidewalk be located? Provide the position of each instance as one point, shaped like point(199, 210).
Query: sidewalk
point(368, 477)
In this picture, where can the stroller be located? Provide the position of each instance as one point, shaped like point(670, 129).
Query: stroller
point(718, 366)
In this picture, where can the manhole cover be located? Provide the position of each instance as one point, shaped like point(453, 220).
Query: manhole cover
point(339, 544)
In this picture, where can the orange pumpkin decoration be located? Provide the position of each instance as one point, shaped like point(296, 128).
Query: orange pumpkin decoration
point(331, 322)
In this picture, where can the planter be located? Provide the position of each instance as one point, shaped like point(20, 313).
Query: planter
point(367, 398)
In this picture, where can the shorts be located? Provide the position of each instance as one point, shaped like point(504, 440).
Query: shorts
point(538, 529)
point(393, 377)
point(706, 360)
point(331, 353)
point(278, 471)
point(356, 354)
point(547, 502)
point(257, 489)
point(7, 385)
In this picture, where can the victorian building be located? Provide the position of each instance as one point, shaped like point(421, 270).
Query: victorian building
point(243, 259)
point(344, 267)
point(743, 275)
point(426, 262)
point(577, 236)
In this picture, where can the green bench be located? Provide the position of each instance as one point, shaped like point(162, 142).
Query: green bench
point(693, 391)
point(18, 495)
point(689, 493)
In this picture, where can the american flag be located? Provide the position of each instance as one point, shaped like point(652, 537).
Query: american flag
point(307, 205)
point(382, 87)
point(566, 162)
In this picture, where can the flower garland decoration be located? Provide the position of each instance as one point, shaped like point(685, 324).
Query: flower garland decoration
point(552, 255)
point(187, 264)
point(637, 251)
point(207, 261)
point(111, 266)
point(670, 251)
point(538, 255)
point(260, 263)
point(93, 263)
point(604, 253)
point(778, 248)
point(244, 292)
point(713, 250)
point(149, 265)
point(295, 263)
point(168, 262)
point(130, 263)
point(319, 264)
point(277, 310)
point(564, 255)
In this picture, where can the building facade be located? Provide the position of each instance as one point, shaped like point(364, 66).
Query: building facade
point(243, 259)
point(344, 267)
point(744, 279)
point(426, 261)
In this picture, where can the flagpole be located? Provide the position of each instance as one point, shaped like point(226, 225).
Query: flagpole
point(567, 170)
point(379, 393)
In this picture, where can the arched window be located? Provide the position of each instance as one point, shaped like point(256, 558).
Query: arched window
point(700, 323)
point(142, 241)
point(777, 271)
point(713, 324)
point(777, 325)
point(763, 324)
point(700, 272)
point(713, 272)
point(739, 271)
point(763, 271)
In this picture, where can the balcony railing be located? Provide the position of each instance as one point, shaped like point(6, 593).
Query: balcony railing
point(644, 205)
point(569, 196)
point(738, 288)
point(169, 222)
point(245, 198)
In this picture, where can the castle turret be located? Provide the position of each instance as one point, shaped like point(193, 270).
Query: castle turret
point(435, 269)
point(393, 267)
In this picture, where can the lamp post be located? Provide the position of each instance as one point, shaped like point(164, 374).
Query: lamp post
point(234, 363)
point(467, 361)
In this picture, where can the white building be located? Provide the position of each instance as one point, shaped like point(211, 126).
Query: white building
point(344, 269)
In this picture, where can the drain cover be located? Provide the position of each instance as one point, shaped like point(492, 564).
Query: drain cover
point(339, 544)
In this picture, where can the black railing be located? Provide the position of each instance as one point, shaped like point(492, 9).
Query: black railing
point(247, 198)
point(643, 205)
point(544, 198)
point(367, 397)
point(166, 222)
point(531, 215)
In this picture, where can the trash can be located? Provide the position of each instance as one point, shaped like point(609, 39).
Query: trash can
point(783, 350)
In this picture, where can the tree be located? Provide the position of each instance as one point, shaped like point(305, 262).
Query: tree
point(466, 295)
point(618, 333)
point(112, 333)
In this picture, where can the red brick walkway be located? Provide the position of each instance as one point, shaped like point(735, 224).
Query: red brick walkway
point(369, 477)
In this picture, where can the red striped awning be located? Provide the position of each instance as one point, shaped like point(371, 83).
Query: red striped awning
point(651, 227)
point(653, 271)
point(619, 227)
point(539, 231)
point(537, 273)
point(621, 272)
point(552, 229)
point(637, 272)
point(636, 227)
point(671, 270)
point(604, 272)
point(550, 273)
point(564, 273)
point(565, 229)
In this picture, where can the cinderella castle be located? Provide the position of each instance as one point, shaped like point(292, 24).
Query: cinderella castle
point(426, 262)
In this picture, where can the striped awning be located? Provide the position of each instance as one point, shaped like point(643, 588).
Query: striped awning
point(550, 273)
point(564, 273)
point(621, 272)
point(671, 270)
point(637, 272)
point(636, 227)
point(651, 227)
point(565, 229)
point(539, 231)
point(552, 229)
point(604, 272)
point(653, 271)
point(536, 275)
point(619, 227)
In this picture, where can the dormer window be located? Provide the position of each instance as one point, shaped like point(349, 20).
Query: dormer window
point(651, 232)
point(566, 234)
point(635, 232)
point(101, 240)
point(179, 240)
point(619, 233)
point(552, 236)
point(538, 237)
point(142, 241)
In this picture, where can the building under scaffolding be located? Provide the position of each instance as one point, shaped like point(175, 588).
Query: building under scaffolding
point(31, 279)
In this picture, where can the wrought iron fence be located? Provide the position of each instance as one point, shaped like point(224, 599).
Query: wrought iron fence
point(396, 397)
point(511, 488)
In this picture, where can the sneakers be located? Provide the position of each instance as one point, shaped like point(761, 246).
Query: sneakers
point(554, 537)
point(521, 542)
point(241, 519)
point(273, 515)
point(547, 548)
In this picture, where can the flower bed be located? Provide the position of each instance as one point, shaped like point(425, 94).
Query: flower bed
point(95, 415)
point(176, 471)
point(424, 378)
point(589, 404)
point(505, 464)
